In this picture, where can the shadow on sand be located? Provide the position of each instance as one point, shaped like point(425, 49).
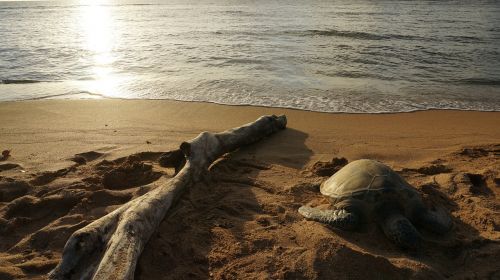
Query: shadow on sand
point(243, 224)
point(222, 225)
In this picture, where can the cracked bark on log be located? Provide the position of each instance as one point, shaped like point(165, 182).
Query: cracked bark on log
point(109, 247)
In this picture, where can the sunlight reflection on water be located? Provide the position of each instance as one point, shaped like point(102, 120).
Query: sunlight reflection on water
point(321, 55)
point(99, 40)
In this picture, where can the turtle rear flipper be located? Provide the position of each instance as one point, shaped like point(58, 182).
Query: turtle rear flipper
point(338, 218)
point(401, 231)
point(437, 221)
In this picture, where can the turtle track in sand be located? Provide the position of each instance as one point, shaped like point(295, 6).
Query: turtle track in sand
point(241, 222)
point(248, 227)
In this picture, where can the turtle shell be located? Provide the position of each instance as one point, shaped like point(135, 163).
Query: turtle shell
point(362, 176)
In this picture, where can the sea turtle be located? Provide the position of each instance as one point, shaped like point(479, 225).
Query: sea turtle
point(369, 190)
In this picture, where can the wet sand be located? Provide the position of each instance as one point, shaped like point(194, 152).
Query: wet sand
point(243, 223)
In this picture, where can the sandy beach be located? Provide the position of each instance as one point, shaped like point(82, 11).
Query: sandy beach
point(243, 222)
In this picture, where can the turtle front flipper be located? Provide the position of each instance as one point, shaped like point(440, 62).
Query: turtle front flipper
point(437, 221)
point(401, 231)
point(338, 218)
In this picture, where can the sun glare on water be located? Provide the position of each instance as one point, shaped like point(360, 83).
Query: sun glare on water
point(96, 24)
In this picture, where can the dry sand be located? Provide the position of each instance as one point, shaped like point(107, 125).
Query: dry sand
point(243, 222)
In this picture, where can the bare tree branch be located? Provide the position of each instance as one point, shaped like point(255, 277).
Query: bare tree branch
point(109, 247)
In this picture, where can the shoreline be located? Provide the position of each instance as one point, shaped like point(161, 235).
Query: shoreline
point(248, 105)
point(41, 99)
point(101, 97)
point(86, 95)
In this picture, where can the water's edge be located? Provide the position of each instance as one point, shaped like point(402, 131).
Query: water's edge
point(321, 56)
point(249, 105)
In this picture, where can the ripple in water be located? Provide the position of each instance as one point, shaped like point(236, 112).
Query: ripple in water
point(318, 55)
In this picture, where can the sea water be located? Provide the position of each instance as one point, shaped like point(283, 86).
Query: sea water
point(331, 56)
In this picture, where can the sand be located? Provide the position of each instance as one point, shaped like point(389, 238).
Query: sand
point(73, 161)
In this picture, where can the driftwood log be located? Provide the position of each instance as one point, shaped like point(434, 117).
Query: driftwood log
point(109, 247)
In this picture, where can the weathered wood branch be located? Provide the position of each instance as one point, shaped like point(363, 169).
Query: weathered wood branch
point(109, 247)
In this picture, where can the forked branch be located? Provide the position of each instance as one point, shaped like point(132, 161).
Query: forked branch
point(109, 247)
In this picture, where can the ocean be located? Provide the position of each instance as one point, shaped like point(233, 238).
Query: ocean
point(328, 56)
